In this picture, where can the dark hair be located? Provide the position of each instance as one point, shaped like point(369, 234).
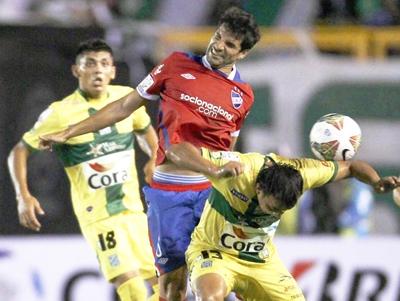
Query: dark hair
point(281, 181)
point(242, 24)
point(94, 44)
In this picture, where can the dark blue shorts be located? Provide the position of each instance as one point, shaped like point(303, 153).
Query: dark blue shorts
point(172, 217)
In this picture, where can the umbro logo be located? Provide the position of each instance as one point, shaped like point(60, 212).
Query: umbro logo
point(239, 195)
point(187, 76)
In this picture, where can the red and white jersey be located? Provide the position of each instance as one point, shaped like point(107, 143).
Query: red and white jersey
point(198, 104)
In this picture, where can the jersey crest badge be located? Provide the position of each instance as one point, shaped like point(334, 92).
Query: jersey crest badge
point(206, 264)
point(236, 97)
point(114, 260)
point(95, 150)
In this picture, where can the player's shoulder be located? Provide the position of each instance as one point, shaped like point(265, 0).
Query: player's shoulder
point(253, 158)
point(220, 154)
point(180, 57)
point(117, 91)
point(296, 163)
point(301, 163)
point(172, 57)
point(71, 99)
point(252, 155)
point(244, 86)
point(232, 155)
point(56, 104)
point(252, 162)
point(64, 102)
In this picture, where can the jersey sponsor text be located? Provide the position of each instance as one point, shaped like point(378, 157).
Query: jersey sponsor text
point(206, 107)
point(108, 170)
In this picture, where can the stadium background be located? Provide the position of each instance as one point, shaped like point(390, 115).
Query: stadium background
point(319, 64)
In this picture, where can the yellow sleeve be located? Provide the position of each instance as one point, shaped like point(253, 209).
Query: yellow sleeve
point(317, 173)
point(253, 162)
point(314, 172)
point(141, 120)
point(219, 158)
point(48, 122)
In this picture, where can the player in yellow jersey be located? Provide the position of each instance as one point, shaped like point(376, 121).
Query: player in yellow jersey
point(232, 248)
point(102, 173)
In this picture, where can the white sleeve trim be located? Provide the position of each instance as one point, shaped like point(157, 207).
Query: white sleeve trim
point(235, 134)
point(146, 95)
point(144, 85)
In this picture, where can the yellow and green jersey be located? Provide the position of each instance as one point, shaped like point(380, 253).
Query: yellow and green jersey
point(232, 220)
point(101, 165)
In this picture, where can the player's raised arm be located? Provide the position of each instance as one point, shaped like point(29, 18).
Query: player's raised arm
point(396, 196)
point(186, 155)
point(364, 172)
point(110, 114)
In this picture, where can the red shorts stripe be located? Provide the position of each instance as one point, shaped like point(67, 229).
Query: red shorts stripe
point(180, 187)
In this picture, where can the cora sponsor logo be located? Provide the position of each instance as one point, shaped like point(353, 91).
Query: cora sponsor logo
point(100, 167)
point(105, 176)
point(238, 241)
point(101, 180)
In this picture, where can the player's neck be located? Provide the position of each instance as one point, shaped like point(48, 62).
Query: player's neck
point(96, 96)
point(227, 69)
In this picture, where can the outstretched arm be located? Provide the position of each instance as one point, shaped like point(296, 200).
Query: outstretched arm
point(28, 205)
point(396, 196)
point(364, 172)
point(187, 156)
point(148, 143)
point(110, 114)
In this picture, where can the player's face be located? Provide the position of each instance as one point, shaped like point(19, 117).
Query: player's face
point(224, 50)
point(269, 204)
point(94, 70)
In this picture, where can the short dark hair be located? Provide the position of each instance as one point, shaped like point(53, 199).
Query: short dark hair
point(281, 181)
point(242, 24)
point(94, 44)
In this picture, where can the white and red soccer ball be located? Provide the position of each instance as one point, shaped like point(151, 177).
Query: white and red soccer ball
point(335, 137)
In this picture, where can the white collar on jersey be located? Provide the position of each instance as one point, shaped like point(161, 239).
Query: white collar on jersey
point(231, 75)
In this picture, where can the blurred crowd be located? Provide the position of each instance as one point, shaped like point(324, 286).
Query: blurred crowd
point(365, 12)
point(268, 13)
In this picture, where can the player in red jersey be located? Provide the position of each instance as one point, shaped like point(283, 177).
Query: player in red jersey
point(206, 99)
point(202, 101)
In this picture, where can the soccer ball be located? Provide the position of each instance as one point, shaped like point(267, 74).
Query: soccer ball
point(335, 137)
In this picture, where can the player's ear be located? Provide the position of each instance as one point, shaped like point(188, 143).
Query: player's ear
point(243, 54)
point(258, 189)
point(113, 72)
point(74, 70)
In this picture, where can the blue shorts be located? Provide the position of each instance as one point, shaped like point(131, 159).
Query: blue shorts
point(172, 217)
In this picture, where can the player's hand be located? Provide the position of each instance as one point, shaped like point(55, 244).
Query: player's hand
point(387, 184)
point(46, 141)
point(148, 170)
point(230, 169)
point(28, 208)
